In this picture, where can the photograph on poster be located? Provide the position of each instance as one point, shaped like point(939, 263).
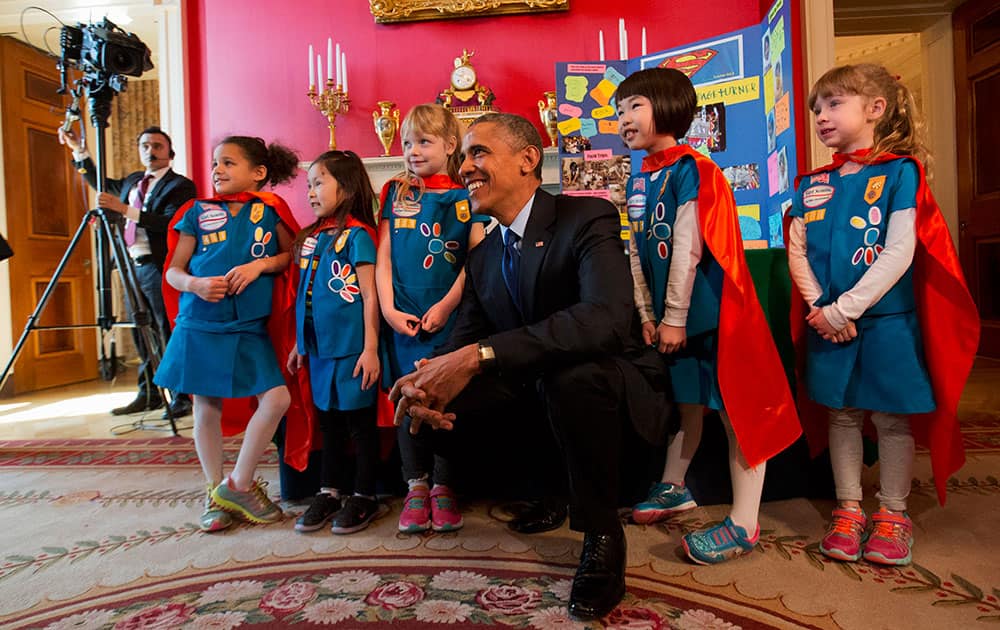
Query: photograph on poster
point(782, 170)
point(611, 174)
point(708, 129)
point(575, 144)
point(770, 131)
point(766, 46)
point(779, 87)
point(743, 176)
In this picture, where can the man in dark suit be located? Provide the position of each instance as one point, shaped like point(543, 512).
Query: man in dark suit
point(148, 200)
point(548, 302)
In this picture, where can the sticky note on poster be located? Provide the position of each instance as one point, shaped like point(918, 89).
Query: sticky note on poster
point(731, 92)
point(773, 180)
point(602, 112)
point(768, 90)
point(570, 110)
point(603, 92)
point(612, 74)
point(607, 126)
point(588, 127)
point(782, 117)
point(750, 210)
point(567, 127)
point(777, 38)
point(774, 229)
point(576, 88)
point(749, 230)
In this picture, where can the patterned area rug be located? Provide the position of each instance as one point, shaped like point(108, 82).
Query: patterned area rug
point(102, 534)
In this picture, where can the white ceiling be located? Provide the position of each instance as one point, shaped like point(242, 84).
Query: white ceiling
point(42, 30)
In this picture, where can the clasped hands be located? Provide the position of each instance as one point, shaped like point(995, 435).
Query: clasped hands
point(424, 394)
point(214, 288)
point(822, 325)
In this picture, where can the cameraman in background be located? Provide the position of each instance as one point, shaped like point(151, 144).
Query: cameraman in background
point(148, 200)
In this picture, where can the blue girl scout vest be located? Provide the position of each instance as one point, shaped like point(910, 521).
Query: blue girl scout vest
point(653, 199)
point(224, 241)
point(846, 219)
point(328, 290)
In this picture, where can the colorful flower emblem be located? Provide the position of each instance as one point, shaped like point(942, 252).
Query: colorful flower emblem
point(660, 230)
point(437, 246)
point(344, 281)
point(869, 250)
point(260, 241)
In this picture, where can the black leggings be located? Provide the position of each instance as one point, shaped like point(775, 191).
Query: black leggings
point(358, 425)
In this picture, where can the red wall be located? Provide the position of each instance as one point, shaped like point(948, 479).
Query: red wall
point(248, 62)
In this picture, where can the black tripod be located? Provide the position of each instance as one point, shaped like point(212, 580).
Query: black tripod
point(110, 241)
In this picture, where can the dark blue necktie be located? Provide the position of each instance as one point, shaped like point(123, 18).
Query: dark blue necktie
point(511, 265)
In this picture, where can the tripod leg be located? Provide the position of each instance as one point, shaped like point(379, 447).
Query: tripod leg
point(33, 318)
point(138, 309)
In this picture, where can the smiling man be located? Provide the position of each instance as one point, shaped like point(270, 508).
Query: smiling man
point(148, 200)
point(547, 309)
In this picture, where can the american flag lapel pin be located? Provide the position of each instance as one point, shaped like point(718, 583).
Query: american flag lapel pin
point(539, 243)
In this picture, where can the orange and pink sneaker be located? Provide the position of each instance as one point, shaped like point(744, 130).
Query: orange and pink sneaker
point(847, 533)
point(445, 516)
point(891, 539)
point(416, 514)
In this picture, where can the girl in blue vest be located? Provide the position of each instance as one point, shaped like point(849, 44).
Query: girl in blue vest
point(337, 325)
point(228, 252)
point(426, 231)
point(855, 228)
point(699, 309)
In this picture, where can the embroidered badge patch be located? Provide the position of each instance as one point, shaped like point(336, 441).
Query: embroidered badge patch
point(309, 246)
point(870, 249)
point(874, 189)
point(814, 215)
point(256, 212)
point(636, 206)
point(820, 178)
point(639, 185)
point(341, 241)
point(260, 240)
point(816, 196)
point(212, 220)
point(405, 208)
point(462, 212)
point(343, 281)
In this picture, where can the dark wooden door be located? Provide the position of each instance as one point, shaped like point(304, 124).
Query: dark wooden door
point(977, 104)
point(45, 204)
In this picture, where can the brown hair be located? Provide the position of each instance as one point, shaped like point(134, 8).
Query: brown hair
point(433, 120)
point(282, 163)
point(900, 129)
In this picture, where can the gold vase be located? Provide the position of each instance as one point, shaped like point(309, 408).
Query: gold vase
point(386, 120)
point(547, 112)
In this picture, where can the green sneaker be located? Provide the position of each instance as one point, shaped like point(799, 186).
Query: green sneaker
point(214, 518)
point(252, 505)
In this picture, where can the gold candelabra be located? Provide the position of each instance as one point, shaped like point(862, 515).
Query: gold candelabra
point(331, 101)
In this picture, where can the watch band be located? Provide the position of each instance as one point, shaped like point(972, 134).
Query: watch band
point(487, 358)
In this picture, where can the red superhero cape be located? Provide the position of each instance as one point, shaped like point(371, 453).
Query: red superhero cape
point(386, 410)
point(949, 326)
point(281, 328)
point(752, 380)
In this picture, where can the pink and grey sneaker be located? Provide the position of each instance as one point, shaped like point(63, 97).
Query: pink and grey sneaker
point(416, 514)
point(891, 539)
point(445, 516)
point(847, 533)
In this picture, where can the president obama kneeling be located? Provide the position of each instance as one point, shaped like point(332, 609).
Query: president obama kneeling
point(548, 311)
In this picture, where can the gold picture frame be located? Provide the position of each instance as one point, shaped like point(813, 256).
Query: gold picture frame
point(389, 11)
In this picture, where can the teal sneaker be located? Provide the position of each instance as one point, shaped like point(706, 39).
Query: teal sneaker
point(252, 505)
point(663, 501)
point(717, 544)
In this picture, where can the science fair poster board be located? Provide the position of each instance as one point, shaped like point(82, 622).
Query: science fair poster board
point(744, 122)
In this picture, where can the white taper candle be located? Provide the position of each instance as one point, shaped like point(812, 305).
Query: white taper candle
point(312, 68)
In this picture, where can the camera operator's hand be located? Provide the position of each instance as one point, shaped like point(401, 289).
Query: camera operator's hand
point(111, 202)
point(69, 139)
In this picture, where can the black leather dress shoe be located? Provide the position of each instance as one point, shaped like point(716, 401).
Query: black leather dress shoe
point(599, 584)
point(142, 402)
point(180, 407)
point(538, 517)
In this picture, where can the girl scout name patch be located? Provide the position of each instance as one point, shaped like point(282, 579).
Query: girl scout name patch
point(212, 219)
point(816, 196)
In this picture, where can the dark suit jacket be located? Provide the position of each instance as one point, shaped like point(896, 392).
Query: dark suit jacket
point(169, 194)
point(577, 306)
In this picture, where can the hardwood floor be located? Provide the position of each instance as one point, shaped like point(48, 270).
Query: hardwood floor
point(82, 410)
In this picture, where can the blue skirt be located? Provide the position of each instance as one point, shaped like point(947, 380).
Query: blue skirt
point(219, 364)
point(335, 387)
point(693, 372)
point(882, 369)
